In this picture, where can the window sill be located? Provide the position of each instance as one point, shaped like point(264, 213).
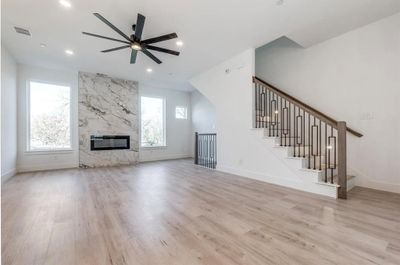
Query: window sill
point(154, 147)
point(49, 152)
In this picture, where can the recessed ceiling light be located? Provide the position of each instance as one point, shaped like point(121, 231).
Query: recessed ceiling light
point(42, 45)
point(69, 52)
point(65, 3)
point(149, 70)
point(179, 43)
point(280, 2)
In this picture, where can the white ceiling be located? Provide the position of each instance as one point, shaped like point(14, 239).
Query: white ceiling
point(212, 31)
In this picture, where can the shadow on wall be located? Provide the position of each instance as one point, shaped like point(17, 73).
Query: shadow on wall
point(203, 114)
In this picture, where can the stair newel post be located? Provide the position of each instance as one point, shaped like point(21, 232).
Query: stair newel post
point(196, 148)
point(342, 159)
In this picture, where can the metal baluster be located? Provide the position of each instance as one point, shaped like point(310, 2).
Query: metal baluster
point(319, 150)
point(299, 132)
point(285, 122)
point(309, 142)
point(334, 154)
point(270, 113)
point(214, 144)
point(294, 131)
point(212, 150)
point(256, 105)
point(290, 124)
point(281, 122)
point(312, 140)
point(209, 147)
point(326, 148)
point(265, 107)
point(216, 151)
point(304, 134)
point(276, 115)
point(275, 108)
point(201, 149)
point(207, 151)
point(204, 150)
point(261, 106)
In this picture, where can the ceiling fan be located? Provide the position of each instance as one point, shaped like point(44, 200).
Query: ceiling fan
point(134, 41)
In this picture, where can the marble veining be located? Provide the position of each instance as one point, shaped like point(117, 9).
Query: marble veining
point(107, 106)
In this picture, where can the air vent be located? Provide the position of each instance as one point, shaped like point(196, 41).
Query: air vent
point(22, 31)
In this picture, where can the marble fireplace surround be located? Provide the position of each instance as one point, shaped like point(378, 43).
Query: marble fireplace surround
point(107, 106)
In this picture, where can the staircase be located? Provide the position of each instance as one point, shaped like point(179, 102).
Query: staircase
point(308, 140)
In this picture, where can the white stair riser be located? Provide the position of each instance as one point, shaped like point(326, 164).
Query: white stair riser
point(315, 177)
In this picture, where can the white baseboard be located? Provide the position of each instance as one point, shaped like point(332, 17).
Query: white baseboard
point(292, 183)
point(296, 184)
point(6, 176)
point(376, 185)
point(362, 180)
point(47, 167)
point(163, 157)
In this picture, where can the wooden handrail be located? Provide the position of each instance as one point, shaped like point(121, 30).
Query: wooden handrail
point(311, 110)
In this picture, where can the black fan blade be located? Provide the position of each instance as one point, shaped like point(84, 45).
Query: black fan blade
point(139, 26)
point(159, 49)
point(151, 55)
point(133, 56)
point(117, 48)
point(111, 26)
point(103, 37)
point(161, 38)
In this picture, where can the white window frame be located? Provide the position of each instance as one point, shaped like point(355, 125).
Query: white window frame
point(186, 112)
point(164, 119)
point(28, 118)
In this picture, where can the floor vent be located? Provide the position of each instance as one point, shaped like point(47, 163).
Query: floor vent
point(22, 31)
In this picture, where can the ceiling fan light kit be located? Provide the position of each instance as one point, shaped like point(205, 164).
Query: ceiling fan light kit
point(135, 42)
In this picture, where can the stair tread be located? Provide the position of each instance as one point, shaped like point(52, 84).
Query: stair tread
point(328, 184)
point(323, 166)
point(296, 157)
point(335, 183)
point(349, 177)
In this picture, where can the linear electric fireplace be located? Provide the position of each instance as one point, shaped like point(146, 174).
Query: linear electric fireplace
point(109, 142)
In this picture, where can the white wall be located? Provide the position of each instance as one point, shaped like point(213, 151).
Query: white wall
point(8, 115)
point(203, 114)
point(241, 149)
point(178, 132)
point(31, 161)
point(354, 77)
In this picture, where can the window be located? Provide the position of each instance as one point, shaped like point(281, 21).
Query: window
point(180, 113)
point(152, 122)
point(49, 117)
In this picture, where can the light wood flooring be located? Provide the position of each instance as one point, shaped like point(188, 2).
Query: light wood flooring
point(173, 212)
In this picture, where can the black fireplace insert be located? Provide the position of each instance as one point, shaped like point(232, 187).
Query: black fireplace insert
point(109, 142)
